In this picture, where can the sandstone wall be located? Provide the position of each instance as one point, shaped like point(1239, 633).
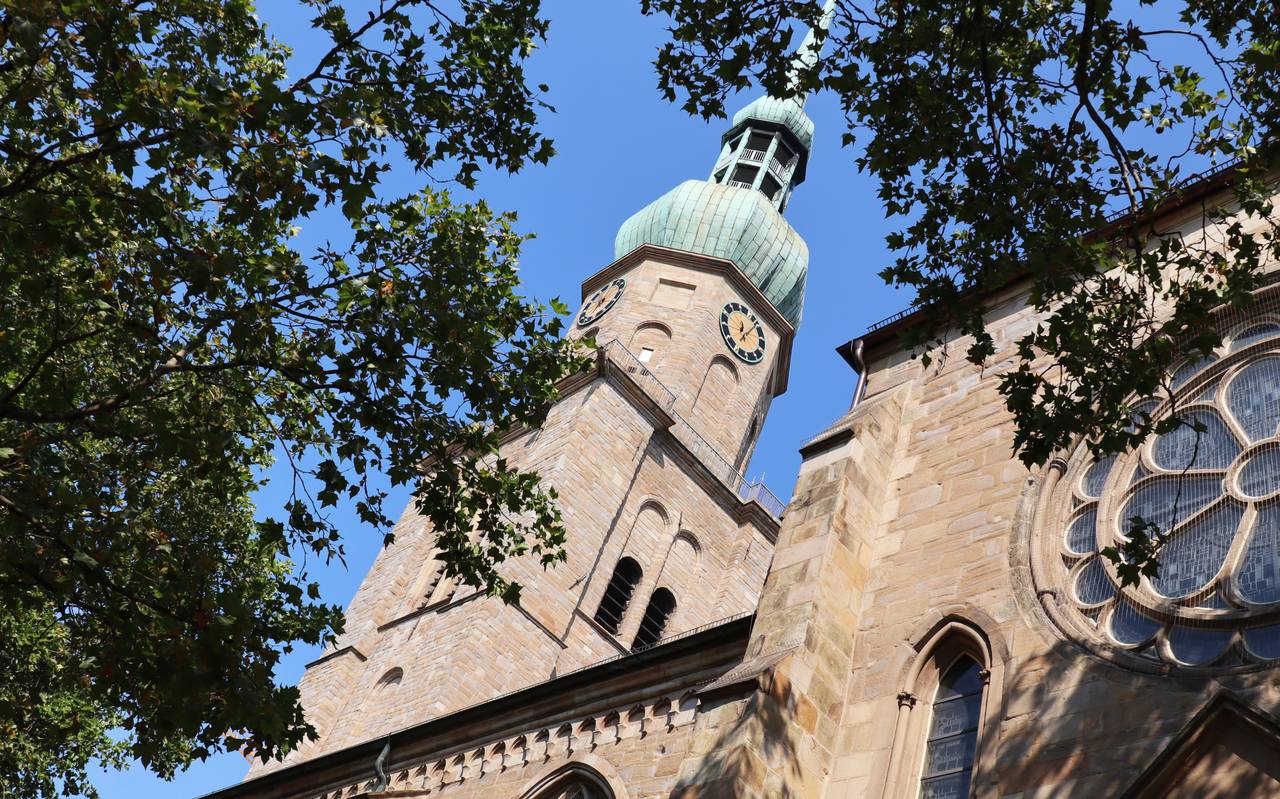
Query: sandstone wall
point(628, 486)
point(948, 541)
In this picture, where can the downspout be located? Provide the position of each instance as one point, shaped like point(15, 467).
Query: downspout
point(861, 366)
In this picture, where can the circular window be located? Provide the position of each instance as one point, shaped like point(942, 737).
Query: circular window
point(1211, 486)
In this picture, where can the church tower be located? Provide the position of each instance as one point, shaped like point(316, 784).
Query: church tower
point(693, 324)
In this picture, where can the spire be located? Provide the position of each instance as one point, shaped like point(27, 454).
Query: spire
point(767, 146)
point(807, 54)
point(737, 213)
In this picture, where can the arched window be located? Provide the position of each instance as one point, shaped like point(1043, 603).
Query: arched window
point(941, 739)
point(617, 594)
point(391, 679)
point(953, 732)
point(661, 605)
point(719, 385)
point(649, 342)
point(575, 782)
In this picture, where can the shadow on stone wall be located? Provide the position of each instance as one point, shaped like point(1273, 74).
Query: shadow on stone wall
point(1074, 725)
point(750, 746)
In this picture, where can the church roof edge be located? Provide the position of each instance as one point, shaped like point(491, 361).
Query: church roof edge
point(1195, 188)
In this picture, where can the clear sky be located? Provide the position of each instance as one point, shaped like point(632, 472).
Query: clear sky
point(620, 146)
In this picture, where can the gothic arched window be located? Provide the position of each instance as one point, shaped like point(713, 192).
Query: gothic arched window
point(575, 782)
point(617, 594)
point(941, 738)
point(649, 342)
point(661, 605)
point(953, 732)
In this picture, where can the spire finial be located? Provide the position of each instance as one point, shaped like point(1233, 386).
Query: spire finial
point(809, 50)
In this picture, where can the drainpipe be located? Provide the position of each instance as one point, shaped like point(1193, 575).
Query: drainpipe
point(851, 352)
point(380, 768)
point(860, 365)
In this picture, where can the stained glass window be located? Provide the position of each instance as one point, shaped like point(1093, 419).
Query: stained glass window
point(1208, 488)
point(1258, 576)
point(1264, 642)
point(1202, 441)
point(953, 732)
point(1080, 536)
point(1130, 627)
point(1254, 398)
point(1097, 475)
point(1094, 585)
point(1255, 334)
point(1260, 475)
point(1168, 501)
point(1194, 555)
point(1195, 646)
point(1190, 370)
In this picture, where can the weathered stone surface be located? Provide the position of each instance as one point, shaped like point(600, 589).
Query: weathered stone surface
point(897, 541)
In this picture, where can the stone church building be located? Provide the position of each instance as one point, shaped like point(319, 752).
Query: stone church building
point(924, 618)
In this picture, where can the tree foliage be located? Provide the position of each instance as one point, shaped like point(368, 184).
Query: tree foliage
point(1040, 140)
point(164, 337)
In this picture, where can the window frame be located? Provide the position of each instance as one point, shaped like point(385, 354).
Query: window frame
point(632, 585)
point(930, 740)
point(947, 640)
point(665, 596)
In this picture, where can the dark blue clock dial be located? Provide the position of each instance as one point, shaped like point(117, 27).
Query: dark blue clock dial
point(598, 304)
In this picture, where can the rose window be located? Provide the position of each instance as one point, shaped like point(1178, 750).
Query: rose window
point(1212, 488)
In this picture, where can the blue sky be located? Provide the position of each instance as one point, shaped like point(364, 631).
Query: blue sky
point(620, 145)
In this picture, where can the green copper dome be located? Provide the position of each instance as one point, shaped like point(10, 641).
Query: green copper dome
point(739, 224)
point(787, 113)
point(737, 213)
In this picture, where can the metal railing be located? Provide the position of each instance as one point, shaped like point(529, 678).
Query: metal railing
point(723, 470)
point(742, 184)
point(1181, 185)
point(753, 155)
point(888, 320)
point(779, 169)
point(637, 371)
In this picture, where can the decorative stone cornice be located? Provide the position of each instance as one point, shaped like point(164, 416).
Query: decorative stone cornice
point(467, 741)
point(335, 654)
point(572, 737)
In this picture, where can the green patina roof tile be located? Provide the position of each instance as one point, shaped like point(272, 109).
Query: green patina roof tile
point(727, 222)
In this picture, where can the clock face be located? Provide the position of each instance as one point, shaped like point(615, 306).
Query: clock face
point(598, 304)
point(742, 332)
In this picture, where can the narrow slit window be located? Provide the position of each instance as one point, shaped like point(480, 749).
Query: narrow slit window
point(953, 732)
point(661, 605)
point(617, 595)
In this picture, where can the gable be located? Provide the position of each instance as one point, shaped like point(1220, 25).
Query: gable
point(1230, 750)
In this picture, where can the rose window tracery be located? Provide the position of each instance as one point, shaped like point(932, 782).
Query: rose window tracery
point(1212, 488)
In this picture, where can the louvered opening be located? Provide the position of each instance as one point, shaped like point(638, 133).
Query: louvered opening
point(661, 605)
point(617, 595)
